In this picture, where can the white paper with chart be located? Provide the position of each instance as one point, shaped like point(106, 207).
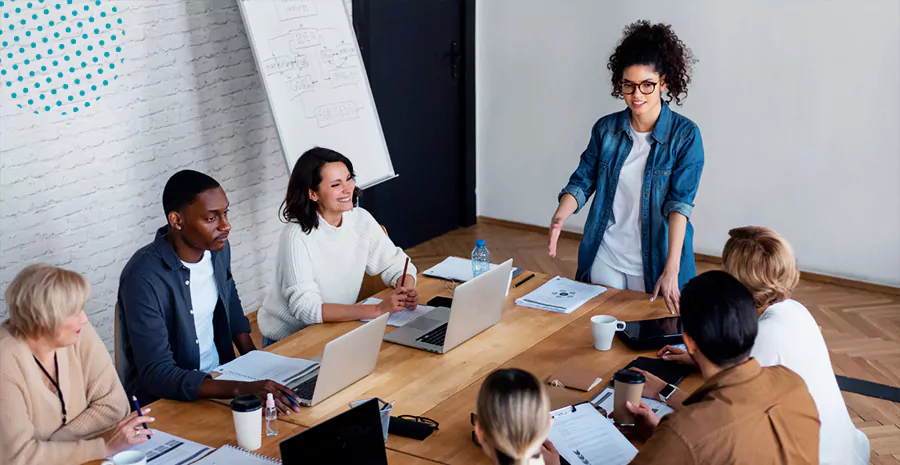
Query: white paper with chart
point(308, 58)
point(584, 437)
point(561, 295)
point(166, 449)
point(400, 318)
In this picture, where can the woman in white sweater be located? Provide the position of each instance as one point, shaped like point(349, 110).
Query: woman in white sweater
point(788, 335)
point(324, 249)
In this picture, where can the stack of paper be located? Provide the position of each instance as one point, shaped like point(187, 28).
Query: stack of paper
point(584, 437)
point(258, 365)
point(560, 295)
point(400, 318)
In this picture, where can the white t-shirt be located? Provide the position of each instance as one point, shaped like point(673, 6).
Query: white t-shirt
point(204, 298)
point(789, 336)
point(621, 244)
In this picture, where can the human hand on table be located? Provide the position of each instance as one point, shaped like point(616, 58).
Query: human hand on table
point(645, 421)
point(280, 393)
point(667, 286)
point(676, 354)
point(128, 432)
point(394, 302)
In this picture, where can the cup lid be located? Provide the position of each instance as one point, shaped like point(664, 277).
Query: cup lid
point(246, 403)
point(629, 377)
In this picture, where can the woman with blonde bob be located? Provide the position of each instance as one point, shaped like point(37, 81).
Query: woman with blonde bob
point(60, 397)
point(765, 264)
point(513, 419)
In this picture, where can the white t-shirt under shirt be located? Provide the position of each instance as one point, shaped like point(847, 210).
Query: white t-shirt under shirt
point(204, 298)
point(621, 244)
point(789, 336)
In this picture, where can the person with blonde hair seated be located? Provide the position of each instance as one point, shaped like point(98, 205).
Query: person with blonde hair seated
point(60, 397)
point(764, 262)
point(513, 419)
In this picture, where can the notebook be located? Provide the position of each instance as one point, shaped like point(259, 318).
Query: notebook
point(585, 437)
point(258, 365)
point(560, 295)
point(230, 455)
point(458, 269)
point(574, 376)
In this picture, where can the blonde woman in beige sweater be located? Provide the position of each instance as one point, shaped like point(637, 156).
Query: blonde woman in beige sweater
point(60, 399)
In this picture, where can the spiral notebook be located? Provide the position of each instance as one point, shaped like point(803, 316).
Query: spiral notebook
point(257, 365)
point(230, 455)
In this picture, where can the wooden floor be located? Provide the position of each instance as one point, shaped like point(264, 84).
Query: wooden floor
point(861, 328)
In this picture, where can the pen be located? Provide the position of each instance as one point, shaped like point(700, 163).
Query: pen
point(140, 413)
point(523, 281)
point(405, 267)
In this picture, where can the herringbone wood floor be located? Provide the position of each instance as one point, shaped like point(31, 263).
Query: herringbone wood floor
point(861, 328)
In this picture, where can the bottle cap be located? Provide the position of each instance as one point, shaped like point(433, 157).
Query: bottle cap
point(479, 243)
point(270, 401)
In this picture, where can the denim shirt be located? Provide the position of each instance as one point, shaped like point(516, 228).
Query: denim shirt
point(671, 178)
point(160, 339)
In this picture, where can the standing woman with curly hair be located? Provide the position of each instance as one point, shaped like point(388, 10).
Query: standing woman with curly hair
point(644, 165)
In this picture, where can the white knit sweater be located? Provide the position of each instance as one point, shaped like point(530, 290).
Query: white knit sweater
point(326, 266)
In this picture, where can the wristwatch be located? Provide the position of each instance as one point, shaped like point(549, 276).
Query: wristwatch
point(666, 392)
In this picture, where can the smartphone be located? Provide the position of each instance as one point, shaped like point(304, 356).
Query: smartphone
point(440, 301)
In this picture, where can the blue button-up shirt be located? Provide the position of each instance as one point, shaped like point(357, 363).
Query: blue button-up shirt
point(671, 178)
point(160, 339)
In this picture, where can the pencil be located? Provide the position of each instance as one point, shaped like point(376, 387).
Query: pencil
point(523, 281)
point(140, 413)
point(405, 268)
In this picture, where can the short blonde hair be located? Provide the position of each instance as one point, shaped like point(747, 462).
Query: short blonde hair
point(514, 414)
point(763, 261)
point(40, 297)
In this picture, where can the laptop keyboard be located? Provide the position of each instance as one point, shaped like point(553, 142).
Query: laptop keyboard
point(435, 336)
point(306, 389)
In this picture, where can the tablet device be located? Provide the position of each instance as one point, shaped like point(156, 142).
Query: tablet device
point(652, 334)
point(669, 371)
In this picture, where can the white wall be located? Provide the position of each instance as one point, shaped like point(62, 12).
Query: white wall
point(798, 103)
point(85, 192)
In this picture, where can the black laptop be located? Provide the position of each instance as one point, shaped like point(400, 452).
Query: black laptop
point(354, 437)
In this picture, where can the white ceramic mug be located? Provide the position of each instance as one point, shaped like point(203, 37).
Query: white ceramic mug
point(128, 457)
point(604, 328)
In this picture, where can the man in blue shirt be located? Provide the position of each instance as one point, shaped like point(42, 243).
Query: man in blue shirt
point(179, 308)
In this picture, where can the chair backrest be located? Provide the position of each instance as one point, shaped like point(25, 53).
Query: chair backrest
point(371, 285)
point(120, 359)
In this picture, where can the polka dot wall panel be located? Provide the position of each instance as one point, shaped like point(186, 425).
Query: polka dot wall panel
point(57, 55)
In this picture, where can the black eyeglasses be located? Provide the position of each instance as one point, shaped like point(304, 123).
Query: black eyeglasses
point(647, 87)
point(417, 419)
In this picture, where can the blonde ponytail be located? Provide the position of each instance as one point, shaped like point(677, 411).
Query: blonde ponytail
point(514, 415)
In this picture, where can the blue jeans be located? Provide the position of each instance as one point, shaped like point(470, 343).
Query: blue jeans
point(267, 342)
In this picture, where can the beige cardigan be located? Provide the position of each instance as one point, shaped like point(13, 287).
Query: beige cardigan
point(31, 430)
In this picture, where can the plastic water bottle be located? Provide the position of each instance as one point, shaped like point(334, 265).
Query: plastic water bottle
point(481, 258)
point(271, 416)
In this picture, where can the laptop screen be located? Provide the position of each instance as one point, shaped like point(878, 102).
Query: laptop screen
point(353, 437)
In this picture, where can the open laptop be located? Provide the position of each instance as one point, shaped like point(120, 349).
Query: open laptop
point(345, 360)
point(477, 305)
point(353, 437)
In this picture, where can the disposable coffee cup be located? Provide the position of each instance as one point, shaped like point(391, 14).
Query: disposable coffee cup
point(628, 387)
point(247, 413)
point(128, 457)
point(604, 328)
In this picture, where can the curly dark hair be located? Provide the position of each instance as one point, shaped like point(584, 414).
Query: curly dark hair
point(653, 45)
point(307, 174)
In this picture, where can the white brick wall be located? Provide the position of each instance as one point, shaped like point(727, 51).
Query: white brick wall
point(85, 191)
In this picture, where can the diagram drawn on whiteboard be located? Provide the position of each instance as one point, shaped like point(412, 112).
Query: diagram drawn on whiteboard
point(307, 61)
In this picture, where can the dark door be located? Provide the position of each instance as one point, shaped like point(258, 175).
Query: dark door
point(414, 53)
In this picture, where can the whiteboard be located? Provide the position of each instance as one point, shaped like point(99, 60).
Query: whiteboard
point(308, 58)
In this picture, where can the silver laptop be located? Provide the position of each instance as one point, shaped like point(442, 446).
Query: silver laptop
point(346, 360)
point(477, 305)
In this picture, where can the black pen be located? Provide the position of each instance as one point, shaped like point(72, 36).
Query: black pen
point(523, 281)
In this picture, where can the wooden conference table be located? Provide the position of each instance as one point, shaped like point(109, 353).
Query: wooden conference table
point(439, 387)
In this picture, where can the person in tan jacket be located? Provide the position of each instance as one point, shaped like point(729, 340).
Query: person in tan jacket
point(743, 413)
point(60, 398)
